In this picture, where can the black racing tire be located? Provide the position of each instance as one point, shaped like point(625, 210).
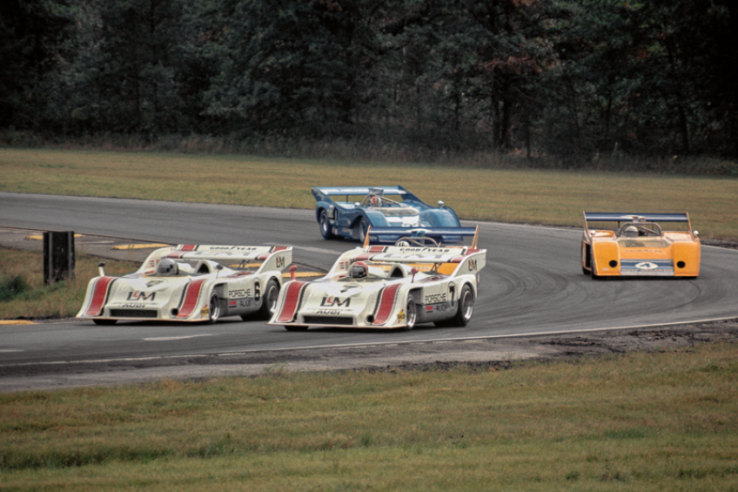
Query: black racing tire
point(295, 327)
point(325, 227)
point(104, 322)
point(411, 313)
point(270, 297)
point(361, 230)
point(465, 309)
point(215, 308)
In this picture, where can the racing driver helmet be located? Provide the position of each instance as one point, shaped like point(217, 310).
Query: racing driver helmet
point(358, 270)
point(167, 267)
point(630, 231)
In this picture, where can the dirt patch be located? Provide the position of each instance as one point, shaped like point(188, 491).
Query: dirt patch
point(488, 353)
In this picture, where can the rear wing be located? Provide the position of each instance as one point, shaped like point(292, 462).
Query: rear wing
point(262, 257)
point(385, 235)
point(449, 260)
point(633, 217)
point(322, 193)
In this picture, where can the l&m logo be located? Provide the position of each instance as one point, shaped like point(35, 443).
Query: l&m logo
point(280, 261)
point(141, 296)
point(472, 265)
point(333, 301)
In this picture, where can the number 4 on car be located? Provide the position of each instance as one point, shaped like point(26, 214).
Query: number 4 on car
point(653, 244)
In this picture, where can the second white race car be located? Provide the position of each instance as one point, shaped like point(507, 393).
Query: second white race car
point(191, 283)
point(387, 287)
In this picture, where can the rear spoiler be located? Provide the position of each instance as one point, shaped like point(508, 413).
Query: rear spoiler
point(392, 234)
point(358, 190)
point(632, 217)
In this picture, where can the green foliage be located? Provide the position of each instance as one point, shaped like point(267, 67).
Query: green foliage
point(575, 78)
point(12, 287)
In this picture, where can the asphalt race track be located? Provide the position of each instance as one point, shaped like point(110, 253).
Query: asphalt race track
point(532, 283)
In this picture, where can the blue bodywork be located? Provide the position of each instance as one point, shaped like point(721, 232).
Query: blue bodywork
point(347, 211)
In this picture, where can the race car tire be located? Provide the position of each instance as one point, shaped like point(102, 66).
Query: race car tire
point(104, 322)
point(593, 274)
point(325, 227)
point(214, 307)
point(411, 313)
point(466, 307)
point(295, 327)
point(270, 298)
point(361, 230)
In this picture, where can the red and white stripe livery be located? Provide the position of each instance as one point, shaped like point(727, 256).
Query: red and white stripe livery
point(192, 282)
point(386, 287)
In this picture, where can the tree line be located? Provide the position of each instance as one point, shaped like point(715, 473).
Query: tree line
point(560, 77)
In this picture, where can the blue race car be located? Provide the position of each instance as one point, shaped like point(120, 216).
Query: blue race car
point(383, 207)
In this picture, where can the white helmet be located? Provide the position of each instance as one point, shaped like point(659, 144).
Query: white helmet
point(630, 231)
point(167, 267)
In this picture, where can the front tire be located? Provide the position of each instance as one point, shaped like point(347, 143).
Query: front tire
point(325, 227)
point(269, 300)
point(214, 309)
point(411, 313)
point(466, 307)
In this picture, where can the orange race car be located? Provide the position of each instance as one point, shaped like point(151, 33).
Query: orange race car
point(638, 246)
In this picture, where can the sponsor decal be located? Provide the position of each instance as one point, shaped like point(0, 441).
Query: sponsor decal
point(238, 293)
point(139, 295)
point(152, 283)
point(280, 261)
point(328, 312)
point(472, 265)
point(434, 298)
point(647, 267)
point(333, 301)
point(133, 305)
point(401, 317)
point(204, 312)
point(257, 291)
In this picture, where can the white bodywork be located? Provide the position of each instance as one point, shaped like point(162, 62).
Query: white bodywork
point(212, 282)
point(404, 286)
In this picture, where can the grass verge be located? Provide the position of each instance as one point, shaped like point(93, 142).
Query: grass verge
point(528, 196)
point(638, 422)
point(24, 295)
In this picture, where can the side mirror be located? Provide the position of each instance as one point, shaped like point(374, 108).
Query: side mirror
point(101, 268)
point(357, 204)
point(696, 233)
point(440, 204)
point(413, 271)
point(218, 268)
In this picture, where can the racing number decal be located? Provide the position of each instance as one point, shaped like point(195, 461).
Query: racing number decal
point(257, 291)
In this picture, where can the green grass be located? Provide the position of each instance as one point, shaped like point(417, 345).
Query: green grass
point(35, 300)
point(527, 196)
point(640, 422)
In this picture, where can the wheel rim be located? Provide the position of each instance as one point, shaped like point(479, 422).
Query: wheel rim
point(362, 232)
point(467, 305)
point(411, 314)
point(272, 298)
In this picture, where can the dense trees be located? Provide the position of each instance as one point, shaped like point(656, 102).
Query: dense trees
point(570, 77)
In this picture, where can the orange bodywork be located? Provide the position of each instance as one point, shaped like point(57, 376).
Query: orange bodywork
point(672, 253)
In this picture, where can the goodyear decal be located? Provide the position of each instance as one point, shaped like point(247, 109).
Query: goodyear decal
point(647, 267)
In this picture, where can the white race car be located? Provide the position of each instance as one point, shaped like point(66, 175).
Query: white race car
point(191, 283)
point(387, 287)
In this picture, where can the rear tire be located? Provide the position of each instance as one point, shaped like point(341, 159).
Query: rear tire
point(466, 307)
point(269, 300)
point(325, 227)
